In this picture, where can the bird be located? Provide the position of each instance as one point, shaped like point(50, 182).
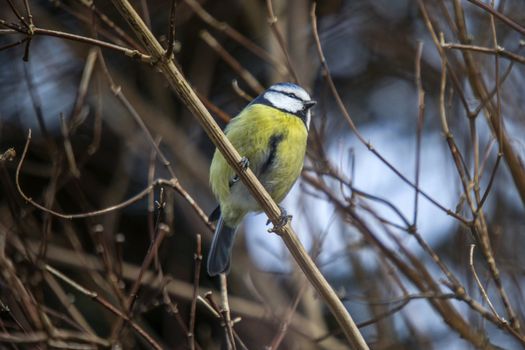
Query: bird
point(270, 134)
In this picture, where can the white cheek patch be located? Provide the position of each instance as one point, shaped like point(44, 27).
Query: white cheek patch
point(303, 95)
point(283, 102)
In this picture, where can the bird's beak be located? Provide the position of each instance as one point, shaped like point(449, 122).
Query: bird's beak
point(309, 104)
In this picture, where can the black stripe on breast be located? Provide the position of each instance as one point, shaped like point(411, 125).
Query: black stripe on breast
point(274, 141)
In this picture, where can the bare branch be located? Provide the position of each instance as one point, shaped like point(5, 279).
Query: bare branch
point(500, 16)
point(106, 304)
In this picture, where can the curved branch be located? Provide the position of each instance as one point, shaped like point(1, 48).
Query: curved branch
point(135, 198)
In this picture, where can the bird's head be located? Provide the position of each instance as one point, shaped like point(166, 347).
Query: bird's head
point(289, 98)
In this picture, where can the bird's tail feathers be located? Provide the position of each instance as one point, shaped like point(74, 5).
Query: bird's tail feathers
point(221, 248)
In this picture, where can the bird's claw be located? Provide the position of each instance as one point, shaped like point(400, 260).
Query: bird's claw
point(244, 163)
point(234, 180)
point(284, 218)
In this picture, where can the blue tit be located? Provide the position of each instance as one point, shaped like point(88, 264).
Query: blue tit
point(270, 134)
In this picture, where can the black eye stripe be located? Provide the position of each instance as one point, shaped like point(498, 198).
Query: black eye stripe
point(289, 94)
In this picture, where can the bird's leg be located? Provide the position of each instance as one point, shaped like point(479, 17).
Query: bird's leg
point(284, 218)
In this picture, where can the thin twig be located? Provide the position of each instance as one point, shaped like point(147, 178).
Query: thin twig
point(28, 13)
point(97, 123)
point(68, 305)
point(196, 274)
point(151, 197)
point(85, 80)
point(272, 20)
point(174, 310)
point(454, 151)
point(498, 109)
point(106, 304)
point(483, 103)
point(70, 155)
point(212, 306)
point(419, 128)
point(17, 14)
point(136, 54)
point(225, 312)
point(135, 198)
point(163, 231)
point(491, 181)
point(499, 15)
point(11, 45)
point(30, 27)
point(480, 285)
point(36, 103)
point(171, 33)
point(145, 13)
point(498, 51)
point(241, 92)
point(252, 82)
point(235, 35)
point(223, 116)
point(132, 296)
point(89, 5)
point(283, 327)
